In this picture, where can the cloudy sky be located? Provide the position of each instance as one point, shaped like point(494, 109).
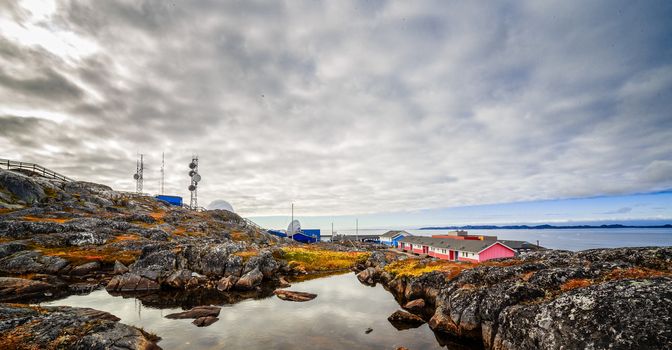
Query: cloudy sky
point(347, 108)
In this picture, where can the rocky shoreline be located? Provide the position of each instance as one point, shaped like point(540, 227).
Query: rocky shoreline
point(61, 238)
point(594, 299)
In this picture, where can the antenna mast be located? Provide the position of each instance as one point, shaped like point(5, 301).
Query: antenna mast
point(195, 179)
point(139, 168)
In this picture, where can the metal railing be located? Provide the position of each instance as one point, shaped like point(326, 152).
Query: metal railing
point(35, 169)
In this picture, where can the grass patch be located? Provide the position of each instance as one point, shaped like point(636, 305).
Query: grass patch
point(104, 254)
point(239, 236)
point(417, 267)
point(313, 259)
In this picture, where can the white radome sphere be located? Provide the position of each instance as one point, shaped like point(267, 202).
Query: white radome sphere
point(221, 204)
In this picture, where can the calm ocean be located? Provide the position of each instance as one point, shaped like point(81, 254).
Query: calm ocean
point(568, 239)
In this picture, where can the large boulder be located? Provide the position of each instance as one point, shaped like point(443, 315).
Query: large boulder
point(130, 282)
point(250, 280)
point(25, 262)
point(70, 328)
point(22, 187)
point(13, 289)
point(625, 314)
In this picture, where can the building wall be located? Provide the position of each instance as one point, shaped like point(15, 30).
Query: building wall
point(496, 251)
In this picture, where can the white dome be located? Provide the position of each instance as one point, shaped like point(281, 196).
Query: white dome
point(294, 227)
point(221, 204)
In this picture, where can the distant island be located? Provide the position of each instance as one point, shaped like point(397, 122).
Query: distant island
point(537, 227)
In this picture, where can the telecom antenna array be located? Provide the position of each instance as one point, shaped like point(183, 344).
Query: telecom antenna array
point(139, 168)
point(195, 179)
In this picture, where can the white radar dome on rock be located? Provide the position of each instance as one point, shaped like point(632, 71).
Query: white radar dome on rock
point(221, 204)
point(294, 227)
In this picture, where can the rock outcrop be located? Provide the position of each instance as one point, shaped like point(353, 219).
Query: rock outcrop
point(62, 327)
point(603, 298)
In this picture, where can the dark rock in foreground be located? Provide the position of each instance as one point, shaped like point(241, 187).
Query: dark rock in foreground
point(197, 312)
point(12, 289)
point(63, 327)
point(294, 296)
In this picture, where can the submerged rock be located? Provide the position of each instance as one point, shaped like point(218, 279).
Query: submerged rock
point(197, 312)
point(205, 321)
point(294, 296)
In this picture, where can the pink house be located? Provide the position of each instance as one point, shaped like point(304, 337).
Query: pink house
point(456, 250)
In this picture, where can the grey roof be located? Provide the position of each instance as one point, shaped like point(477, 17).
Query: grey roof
point(392, 234)
point(520, 244)
point(474, 246)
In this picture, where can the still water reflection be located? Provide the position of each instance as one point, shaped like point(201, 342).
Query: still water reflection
point(336, 319)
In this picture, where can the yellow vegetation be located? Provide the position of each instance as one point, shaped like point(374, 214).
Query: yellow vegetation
point(416, 267)
point(104, 254)
point(314, 259)
point(246, 254)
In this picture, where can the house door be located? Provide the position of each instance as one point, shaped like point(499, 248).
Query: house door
point(425, 249)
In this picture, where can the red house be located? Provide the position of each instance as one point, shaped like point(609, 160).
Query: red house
point(457, 250)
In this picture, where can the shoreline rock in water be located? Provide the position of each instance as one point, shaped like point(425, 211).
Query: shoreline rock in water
point(34, 327)
point(294, 296)
point(602, 298)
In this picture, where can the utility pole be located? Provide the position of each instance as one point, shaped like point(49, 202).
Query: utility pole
point(163, 171)
point(357, 229)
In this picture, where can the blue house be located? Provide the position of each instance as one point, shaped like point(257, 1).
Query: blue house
point(392, 238)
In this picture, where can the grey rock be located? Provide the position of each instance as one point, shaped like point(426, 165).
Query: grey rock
point(22, 187)
point(85, 269)
point(196, 312)
point(205, 321)
point(119, 268)
point(250, 280)
point(41, 327)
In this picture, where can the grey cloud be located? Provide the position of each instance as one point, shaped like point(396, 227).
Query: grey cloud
point(351, 107)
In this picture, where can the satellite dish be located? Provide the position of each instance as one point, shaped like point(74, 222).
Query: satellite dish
point(192, 187)
point(136, 176)
point(196, 178)
point(294, 227)
point(191, 173)
point(192, 165)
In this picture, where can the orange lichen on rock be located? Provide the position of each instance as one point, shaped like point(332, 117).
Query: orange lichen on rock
point(126, 237)
point(158, 215)
point(527, 275)
point(246, 254)
point(38, 219)
point(634, 273)
point(575, 283)
point(239, 236)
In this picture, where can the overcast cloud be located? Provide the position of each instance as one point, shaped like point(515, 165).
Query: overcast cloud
point(344, 107)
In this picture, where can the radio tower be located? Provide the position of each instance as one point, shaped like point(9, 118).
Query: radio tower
point(139, 168)
point(163, 172)
point(195, 178)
